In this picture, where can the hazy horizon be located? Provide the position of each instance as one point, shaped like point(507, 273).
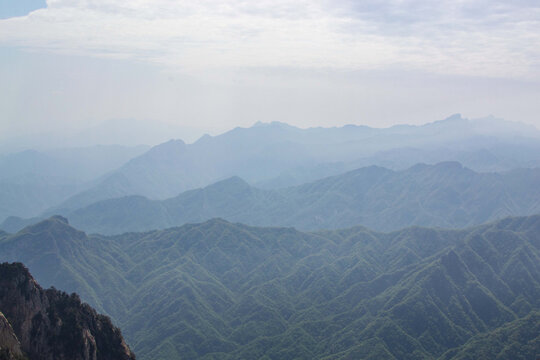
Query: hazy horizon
point(369, 186)
point(145, 132)
point(214, 65)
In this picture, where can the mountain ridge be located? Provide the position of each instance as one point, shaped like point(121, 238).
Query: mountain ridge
point(265, 152)
point(226, 290)
point(444, 195)
point(32, 181)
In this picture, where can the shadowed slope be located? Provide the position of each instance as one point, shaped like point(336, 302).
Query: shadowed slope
point(443, 195)
point(230, 291)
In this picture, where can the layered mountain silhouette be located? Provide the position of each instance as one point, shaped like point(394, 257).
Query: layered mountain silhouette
point(180, 260)
point(219, 290)
point(277, 154)
point(38, 324)
point(444, 195)
point(268, 156)
point(32, 181)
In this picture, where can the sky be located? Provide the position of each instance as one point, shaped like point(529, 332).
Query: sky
point(211, 65)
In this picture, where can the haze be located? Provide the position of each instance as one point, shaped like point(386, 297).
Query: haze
point(273, 179)
point(179, 69)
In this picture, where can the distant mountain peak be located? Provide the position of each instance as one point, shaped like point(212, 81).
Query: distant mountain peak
point(454, 117)
point(205, 137)
point(60, 218)
point(171, 147)
point(271, 124)
point(234, 179)
point(171, 143)
point(55, 223)
point(452, 120)
point(363, 171)
point(216, 221)
point(231, 182)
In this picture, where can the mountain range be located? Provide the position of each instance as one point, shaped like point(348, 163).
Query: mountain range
point(219, 290)
point(32, 181)
point(278, 155)
point(444, 195)
point(274, 242)
point(267, 156)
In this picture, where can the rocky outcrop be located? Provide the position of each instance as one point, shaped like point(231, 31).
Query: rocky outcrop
point(10, 348)
point(52, 325)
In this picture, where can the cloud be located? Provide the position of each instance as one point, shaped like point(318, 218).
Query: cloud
point(478, 37)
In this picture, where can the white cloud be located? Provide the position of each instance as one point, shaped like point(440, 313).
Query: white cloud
point(486, 38)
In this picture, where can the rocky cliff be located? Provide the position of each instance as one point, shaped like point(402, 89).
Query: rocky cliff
point(52, 325)
point(10, 348)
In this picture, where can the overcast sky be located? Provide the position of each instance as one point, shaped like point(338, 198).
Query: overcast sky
point(216, 64)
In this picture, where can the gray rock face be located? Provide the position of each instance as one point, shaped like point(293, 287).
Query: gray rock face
point(10, 348)
point(54, 325)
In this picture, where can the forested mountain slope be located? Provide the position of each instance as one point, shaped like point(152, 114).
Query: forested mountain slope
point(32, 181)
point(277, 154)
point(219, 290)
point(443, 195)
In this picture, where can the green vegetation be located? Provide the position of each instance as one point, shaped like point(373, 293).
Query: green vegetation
point(278, 155)
point(518, 340)
point(219, 290)
point(444, 195)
